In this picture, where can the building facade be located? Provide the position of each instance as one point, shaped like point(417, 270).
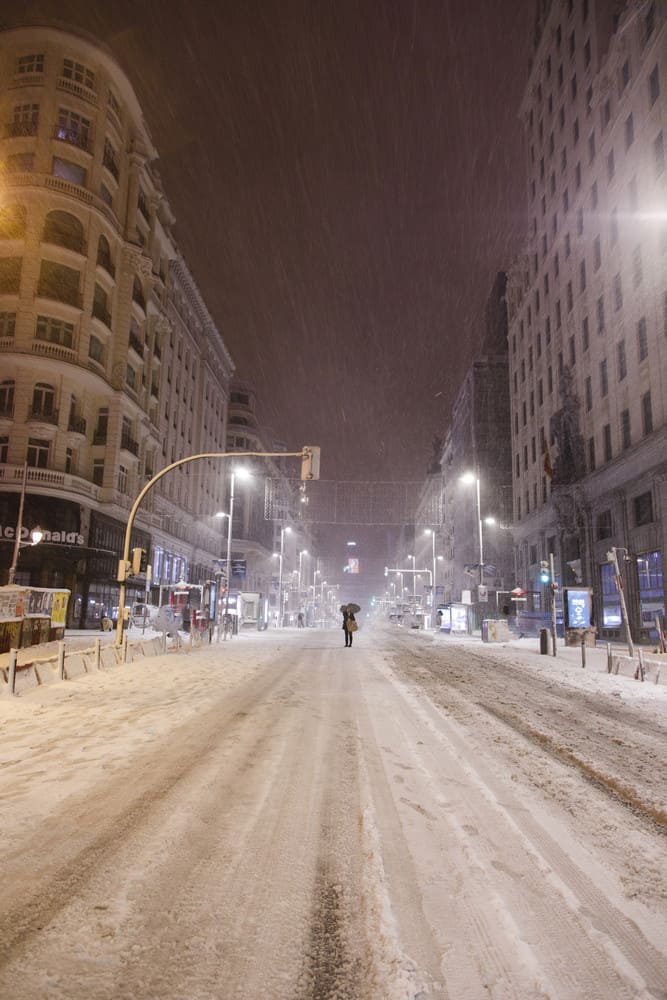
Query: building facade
point(588, 309)
point(477, 445)
point(112, 367)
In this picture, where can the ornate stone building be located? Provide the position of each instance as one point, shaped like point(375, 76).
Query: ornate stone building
point(111, 366)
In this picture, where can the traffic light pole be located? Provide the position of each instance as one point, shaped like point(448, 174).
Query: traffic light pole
point(310, 469)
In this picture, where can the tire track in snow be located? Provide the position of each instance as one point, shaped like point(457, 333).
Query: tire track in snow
point(577, 915)
point(622, 793)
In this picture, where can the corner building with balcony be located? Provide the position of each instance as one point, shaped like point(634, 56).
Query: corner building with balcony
point(588, 309)
point(111, 366)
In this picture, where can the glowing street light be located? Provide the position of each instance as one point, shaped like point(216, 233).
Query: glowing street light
point(283, 531)
point(431, 532)
point(469, 478)
point(242, 474)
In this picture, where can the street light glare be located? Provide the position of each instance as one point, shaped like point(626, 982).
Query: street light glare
point(242, 473)
point(490, 520)
point(468, 477)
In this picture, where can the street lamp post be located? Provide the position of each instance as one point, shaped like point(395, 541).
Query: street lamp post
point(283, 531)
point(470, 477)
point(36, 534)
point(322, 614)
point(242, 474)
point(431, 532)
point(302, 553)
point(218, 602)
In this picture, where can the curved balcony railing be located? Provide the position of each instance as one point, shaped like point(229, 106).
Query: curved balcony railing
point(128, 443)
point(77, 425)
point(43, 414)
point(20, 129)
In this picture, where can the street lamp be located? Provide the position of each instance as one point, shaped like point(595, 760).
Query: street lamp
point(283, 531)
point(431, 532)
point(36, 534)
point(242, 474)
point(469, 478)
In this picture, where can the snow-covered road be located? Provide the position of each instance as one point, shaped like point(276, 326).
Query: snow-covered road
point(280, 817)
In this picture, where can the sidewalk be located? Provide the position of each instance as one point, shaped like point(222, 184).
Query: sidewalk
point(527, 650)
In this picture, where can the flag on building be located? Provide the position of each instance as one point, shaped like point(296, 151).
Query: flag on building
point(548, 467)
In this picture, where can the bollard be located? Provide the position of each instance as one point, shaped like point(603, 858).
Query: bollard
point(13, 653)
point(640, 653)
point(583, 651)
point(609, 659)
point(61, 659)
point(544, 642)
point(98, 654)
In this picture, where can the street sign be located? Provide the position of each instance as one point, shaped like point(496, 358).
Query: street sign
point(482, 594)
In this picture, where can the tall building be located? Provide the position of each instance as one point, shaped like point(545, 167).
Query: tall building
point(112, 367)
point(588, 308)
point(477, 442)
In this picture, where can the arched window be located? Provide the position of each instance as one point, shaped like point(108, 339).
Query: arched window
point(7, 398)
point(12, 222)
point(104, 255)
point(65, 230)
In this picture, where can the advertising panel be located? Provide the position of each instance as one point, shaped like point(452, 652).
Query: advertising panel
point(459, 618)
point(577, 604)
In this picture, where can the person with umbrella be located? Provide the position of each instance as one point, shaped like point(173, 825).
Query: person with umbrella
point(349, 621)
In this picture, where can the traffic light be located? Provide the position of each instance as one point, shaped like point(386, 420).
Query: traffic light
point(310, 462)
point(545, 575)
point(139, 561)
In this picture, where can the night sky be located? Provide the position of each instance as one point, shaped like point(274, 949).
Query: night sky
point(347, 178)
